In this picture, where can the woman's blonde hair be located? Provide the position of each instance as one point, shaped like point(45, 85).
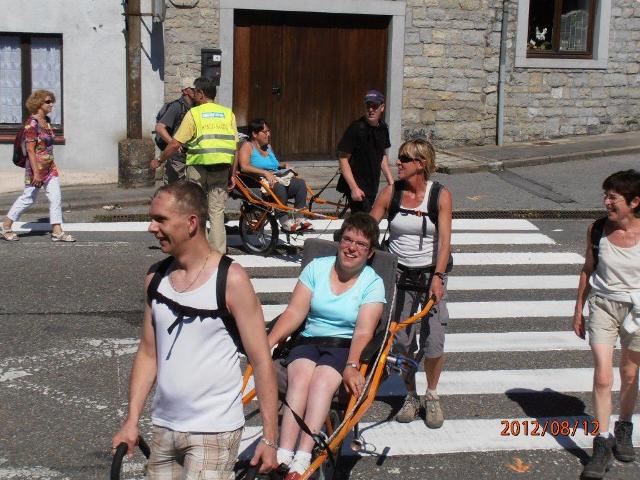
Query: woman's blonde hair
point(422, 150)
point(37, 98)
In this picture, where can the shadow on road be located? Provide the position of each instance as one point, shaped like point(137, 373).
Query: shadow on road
point(540, 405)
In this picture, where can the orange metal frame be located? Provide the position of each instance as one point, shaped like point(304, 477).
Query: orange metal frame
point(274, 202)
point(355, 409)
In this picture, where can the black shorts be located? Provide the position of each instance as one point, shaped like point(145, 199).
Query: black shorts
point(334, 357)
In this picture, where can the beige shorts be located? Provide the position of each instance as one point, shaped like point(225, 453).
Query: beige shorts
point(605, 323)
point(192, 456)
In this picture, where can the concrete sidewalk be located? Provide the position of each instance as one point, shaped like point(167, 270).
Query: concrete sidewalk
point(91, 190)
point(491, 157)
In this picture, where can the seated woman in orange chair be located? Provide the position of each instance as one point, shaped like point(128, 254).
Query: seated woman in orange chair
point(340, 297)
point(256, 156)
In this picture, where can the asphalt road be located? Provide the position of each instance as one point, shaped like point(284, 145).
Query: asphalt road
point(70, 316)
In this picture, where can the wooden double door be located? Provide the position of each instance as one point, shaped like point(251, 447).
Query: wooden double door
point(306, 74)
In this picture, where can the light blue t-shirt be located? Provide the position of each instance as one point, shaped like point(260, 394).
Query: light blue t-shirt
point(333, 315)
point(270, 162)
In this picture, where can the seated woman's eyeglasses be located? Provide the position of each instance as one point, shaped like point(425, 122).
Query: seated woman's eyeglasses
point(347, 242)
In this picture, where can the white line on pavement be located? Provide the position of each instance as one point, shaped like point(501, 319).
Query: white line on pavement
point(518, 258)
point(462, 435)
point(483, 382)
point(489, 224)
point(498, 309)
point(510, 282)
point(459, 259)
point(511, 309)
point(514, 342)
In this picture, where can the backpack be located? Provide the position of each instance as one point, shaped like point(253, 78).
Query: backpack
point(183, 311)
point(597, 229)
point(170, 128)
point(432, 210)
point(20, 154)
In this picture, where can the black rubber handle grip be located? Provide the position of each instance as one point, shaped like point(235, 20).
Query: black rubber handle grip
point(121, 451)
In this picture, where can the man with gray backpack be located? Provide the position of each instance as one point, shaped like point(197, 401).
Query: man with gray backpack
point(168, 120)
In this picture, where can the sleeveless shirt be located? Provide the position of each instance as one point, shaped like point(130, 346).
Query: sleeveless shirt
point(199, 376)
point(618, 268)
point(405, 231)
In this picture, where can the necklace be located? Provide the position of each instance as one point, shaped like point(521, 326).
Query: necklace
point(194, 280)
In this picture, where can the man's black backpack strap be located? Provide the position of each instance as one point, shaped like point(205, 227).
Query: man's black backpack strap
point(184, 311)
point(160, 272)
point(597, 230)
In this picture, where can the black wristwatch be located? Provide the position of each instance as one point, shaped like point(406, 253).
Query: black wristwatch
point(441, 275)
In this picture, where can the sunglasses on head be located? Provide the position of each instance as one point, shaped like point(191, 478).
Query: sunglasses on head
point(406, 159)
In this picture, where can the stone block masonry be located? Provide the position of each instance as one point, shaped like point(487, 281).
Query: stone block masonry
point(450, 73)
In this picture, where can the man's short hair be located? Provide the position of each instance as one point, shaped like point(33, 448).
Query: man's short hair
point(207, 86)
point(189, 198)
point(627, 184)
point(363, 223)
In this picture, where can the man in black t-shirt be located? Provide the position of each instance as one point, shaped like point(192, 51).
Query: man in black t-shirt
point(167, 124)
point(362, 154)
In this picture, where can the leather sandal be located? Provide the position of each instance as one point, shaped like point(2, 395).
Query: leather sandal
point(9, 235)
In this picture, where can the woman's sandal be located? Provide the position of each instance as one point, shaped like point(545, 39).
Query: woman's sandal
point(9, 235)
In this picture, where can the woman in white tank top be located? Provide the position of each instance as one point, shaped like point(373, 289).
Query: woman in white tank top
point(423, 251)
point(610, 279)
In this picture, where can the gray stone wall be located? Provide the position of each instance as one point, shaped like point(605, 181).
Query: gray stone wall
point(559, 102)
point(451, 73)
point(190, 25)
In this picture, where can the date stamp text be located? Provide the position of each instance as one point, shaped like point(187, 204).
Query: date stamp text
point(555, 428)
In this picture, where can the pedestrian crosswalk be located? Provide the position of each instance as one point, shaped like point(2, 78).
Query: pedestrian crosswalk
point(509, 343)
point(494, 318)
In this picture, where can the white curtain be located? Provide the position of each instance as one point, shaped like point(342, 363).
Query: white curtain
point(46, 70)
point(10, 80)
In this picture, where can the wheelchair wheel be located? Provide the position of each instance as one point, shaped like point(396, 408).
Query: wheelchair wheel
point(258, 230)
point(327, 470)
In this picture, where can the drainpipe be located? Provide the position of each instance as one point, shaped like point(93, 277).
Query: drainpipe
point(501, 73)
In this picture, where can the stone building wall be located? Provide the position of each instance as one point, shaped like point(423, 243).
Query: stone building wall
point(189, 27)
point(559, 102)
point(451, 65)
point(451, 73)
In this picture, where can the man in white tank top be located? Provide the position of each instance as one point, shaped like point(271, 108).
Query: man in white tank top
point(197, 410)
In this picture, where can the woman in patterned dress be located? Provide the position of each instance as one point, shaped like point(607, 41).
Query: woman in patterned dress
point(40, 170)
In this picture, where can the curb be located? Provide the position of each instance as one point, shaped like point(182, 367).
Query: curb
point(486, 165)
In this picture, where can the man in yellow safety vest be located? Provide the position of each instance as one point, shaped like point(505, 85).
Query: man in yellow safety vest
point(209, 136)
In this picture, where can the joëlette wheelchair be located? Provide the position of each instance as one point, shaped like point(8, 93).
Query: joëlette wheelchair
point(377, 361)
point(258, 224)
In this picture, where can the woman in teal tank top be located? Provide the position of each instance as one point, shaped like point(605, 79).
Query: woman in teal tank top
point(256, 156)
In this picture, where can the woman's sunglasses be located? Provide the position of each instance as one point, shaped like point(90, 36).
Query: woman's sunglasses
point(406, 159)
point(49, 102)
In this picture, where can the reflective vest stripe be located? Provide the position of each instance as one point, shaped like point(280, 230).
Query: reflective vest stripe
point(198, 151)
point(213, 136)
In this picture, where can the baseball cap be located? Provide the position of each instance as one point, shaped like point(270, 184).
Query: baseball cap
point(374, 96)
point(186, 82)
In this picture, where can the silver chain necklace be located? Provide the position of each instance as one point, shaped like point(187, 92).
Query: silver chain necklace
point(194, 280)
